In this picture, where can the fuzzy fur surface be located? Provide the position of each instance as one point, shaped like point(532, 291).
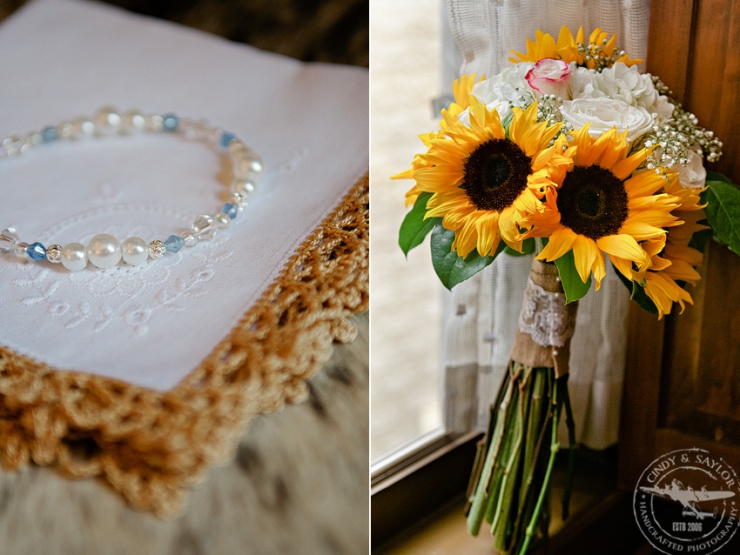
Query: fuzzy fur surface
point(299, 484)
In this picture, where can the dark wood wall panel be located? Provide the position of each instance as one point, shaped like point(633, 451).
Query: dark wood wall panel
point(683, 376)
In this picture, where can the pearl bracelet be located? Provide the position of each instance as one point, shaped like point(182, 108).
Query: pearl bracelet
point(104, 250)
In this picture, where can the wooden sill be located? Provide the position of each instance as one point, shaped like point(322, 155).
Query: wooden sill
point(601, 519)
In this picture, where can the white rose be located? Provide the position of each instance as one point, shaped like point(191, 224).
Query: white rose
point(624, 83)
point(692, 175)
point(581, 83)
point(605, 113)
point(497, 92)
point(507, 86)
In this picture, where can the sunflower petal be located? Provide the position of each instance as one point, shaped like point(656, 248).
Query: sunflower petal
point(623, 246)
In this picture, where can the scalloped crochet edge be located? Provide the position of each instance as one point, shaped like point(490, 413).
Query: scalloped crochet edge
point(150, 446)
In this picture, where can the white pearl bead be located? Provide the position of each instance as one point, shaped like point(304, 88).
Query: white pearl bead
point(83, 128)
point(74, 257)
point(258, 164)
point(134, 251)
point(33, 139)
point(246, 165)
point(244, 186)
point(107, 121)
point(133, 121)
point(104, 251)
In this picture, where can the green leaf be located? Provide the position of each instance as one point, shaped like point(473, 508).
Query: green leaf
point(714, 176)
point(414, 227)
point(451, 268)
point(572, 285)
point(723, 212)
point(637, 294)
point(528, 247)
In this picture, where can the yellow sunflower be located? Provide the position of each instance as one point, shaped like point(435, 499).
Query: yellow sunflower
point(461, 90)
point(567, 49)
point(675, 261)
point(482, 182)
point(599, 208)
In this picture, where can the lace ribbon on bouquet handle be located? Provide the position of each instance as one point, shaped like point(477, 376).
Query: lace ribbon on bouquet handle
point(546, 317)
point(546, 323)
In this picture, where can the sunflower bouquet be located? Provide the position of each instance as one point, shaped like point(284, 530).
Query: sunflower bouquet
point(573, 154)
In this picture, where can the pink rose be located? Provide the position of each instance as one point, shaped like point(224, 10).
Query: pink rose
point(550, 76)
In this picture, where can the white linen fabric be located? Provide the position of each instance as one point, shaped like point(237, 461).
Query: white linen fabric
point(481, 322)
point(151, 325)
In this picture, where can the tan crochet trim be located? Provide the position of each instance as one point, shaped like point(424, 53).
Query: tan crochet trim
point(150, 445)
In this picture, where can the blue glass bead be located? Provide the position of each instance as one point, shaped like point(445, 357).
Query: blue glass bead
point(170, 122)
point(231, 210)
point(226, 138)
point(36, 251)
point(49, 134)
point(174, 243)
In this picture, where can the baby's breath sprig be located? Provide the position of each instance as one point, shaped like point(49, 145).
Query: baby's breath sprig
point(548, 109)
point(595, 56)
point(524, 98)
point(676, 137)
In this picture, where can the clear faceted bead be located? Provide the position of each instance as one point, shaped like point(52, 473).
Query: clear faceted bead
point(203, 227)
point(157, 249)
point(21, 250)
point(54, 253)
point(154, 122)
point(66, 130)
point(8, 240)
point(190, 238)
point(208, 235)
point(222, 221)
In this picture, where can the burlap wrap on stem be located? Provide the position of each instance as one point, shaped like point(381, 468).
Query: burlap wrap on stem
point(526, 350)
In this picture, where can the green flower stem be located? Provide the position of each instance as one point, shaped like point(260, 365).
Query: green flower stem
point(506, 505)
point(478, 506)
point(570, 423)
point(511, 478)
point(507, 450)
point(537, 428)
point(554, 448)
point(483, 445)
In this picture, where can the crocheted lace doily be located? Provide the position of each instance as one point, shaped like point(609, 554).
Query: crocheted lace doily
point(150, 445)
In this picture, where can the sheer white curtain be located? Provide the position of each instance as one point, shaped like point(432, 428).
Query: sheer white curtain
point(481, 314)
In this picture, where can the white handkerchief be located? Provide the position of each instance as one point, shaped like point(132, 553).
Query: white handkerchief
point(151, 325)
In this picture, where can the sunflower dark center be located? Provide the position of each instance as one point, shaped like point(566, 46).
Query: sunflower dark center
point(592, 201)
point(495, 174)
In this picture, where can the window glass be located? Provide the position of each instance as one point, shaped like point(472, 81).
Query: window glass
point(406, 305)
